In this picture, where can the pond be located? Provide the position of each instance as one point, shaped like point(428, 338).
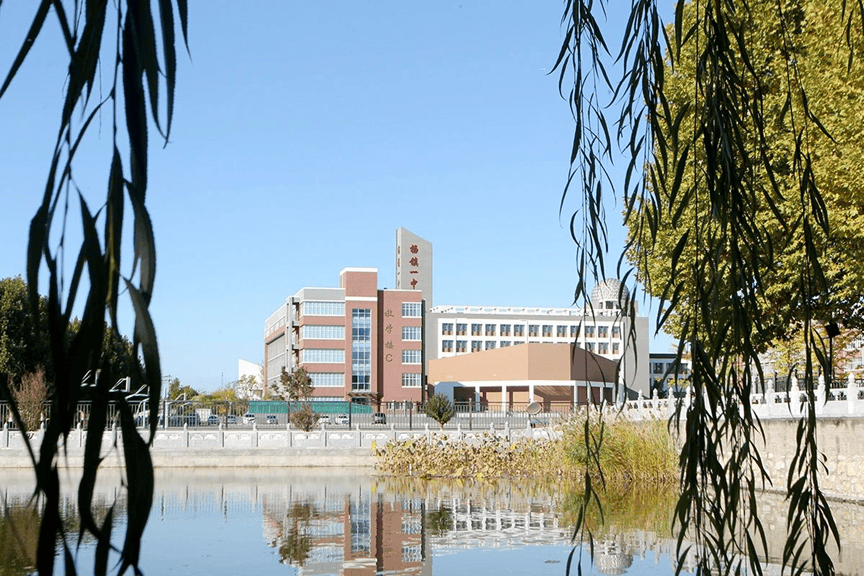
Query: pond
point(285, 521)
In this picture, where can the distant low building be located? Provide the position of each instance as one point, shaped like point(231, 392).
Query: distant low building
point(553, 375)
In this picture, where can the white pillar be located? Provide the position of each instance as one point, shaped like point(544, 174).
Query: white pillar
point(504, 403)
point(530, 392)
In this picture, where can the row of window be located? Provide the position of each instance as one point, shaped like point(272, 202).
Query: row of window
point(361, 358)
point(477, 345)
point(337, 380)
point(518, 330)
point(314, 308)
point(409, 333)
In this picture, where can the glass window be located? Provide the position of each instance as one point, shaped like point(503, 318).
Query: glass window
point(505, 329)
point(447, 328)
point(518, 330)
point(411, 380)
point(476, 345)
point(322, 332)
point(312, 308)
point(312, 355)
point(533, 330)
point(490, 329)
point(616, 331)
point(602, 331)
point(327, 379)
point(475, 329)
point(490, 344)
point(411, 333)
point(505, 343)
point(461, 345)
point(547, 330)
point(412, 309)
point(461, 329)
point(411, 357)
point(361, 349)
point(561, 331)
point(659, 367)
point(615, 348)
point(603, 348)
point(589, 346)
point(589, 331)
point(574, 331)
point(447, 345)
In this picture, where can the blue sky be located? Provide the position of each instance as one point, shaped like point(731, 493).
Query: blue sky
point(305, 133)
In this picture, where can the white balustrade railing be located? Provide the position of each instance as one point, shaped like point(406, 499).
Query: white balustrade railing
point(830, 403)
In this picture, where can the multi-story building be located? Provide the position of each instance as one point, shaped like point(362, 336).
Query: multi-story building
point(603, 327)
point(356, 342)
point(668, 374)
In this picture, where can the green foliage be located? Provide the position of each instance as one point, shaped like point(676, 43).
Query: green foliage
point(741, 124)
point(440, 409)
point(138, 39)
point(304, 418)
point(175, 391)
point(21, 352)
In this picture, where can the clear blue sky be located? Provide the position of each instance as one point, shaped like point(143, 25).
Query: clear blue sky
point(305, 133)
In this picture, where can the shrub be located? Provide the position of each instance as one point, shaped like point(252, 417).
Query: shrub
point(305, 418)
point(440, 409)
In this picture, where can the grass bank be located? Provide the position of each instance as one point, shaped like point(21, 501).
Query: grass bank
point(615, 452)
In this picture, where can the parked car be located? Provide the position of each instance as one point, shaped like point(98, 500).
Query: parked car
point(271, 419)
point(249, 418)
point(231, 419)
point(341, 419)
point(213, 420)
point(379, 418)
point(324, 419)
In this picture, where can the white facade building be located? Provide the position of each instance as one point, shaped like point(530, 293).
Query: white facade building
point(603, 328)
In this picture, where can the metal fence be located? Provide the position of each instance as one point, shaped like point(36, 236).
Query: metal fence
point(344, 415)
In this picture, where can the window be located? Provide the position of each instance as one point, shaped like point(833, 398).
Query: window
point(411, 333)
point(574, 331)
point(461, 345)
point(616, 332)
point(505, 329)
point(615, 348)
point(327, 379)
point(411, 380)
point(412, 309)
point(517, 342)
point(490, 344)
point(312, 308)
point(547, 330)
point(490, 329)
point(361, 349)
point(590, 346)
point(518, 330)
point(447, 345)
point(505, 343)
point(322, 332)
point(533, 330)
point(411, 357)
point(446, 329)
point(561, 331)
point(589, 331)
point(312, 355)
point(461, 329)
point(476, 345)
point(602, 331)
point(659, 368)
point(475, 329)
point(603, 348)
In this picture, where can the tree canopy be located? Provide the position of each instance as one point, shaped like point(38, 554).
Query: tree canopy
point(685, 232)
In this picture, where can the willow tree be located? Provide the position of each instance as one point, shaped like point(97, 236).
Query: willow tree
point(737, 122)
point(127, 46)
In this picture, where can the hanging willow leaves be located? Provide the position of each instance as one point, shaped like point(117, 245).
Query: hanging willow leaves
point(125, 35)
point(747, 223)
